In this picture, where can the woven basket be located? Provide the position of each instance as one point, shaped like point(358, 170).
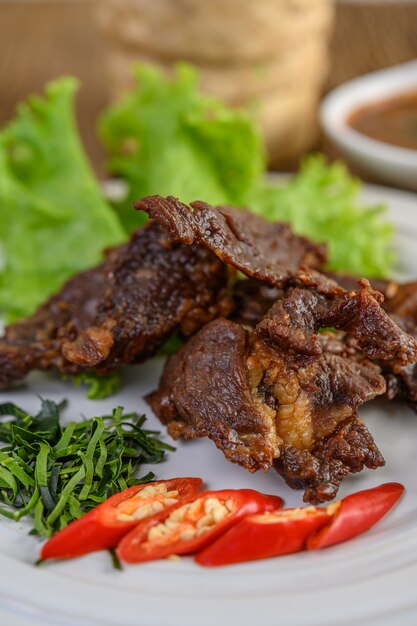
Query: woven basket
point(269, 52)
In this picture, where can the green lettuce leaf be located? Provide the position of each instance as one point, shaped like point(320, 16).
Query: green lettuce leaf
point(166, 137)
point(323, 202)
point(99, 386)
point(53, 219)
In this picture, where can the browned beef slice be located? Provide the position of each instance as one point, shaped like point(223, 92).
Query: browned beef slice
point(350, 283)
point(273, 254)
point(378, 335)
point(266, 251)
point(205, 391)
point(401, 305)
point(253, 299)
point(265, 405)
point(155, 287)
point(35, 343)
point(320, 470)
point(122, 311)
point(295, 319)
point(313, 397)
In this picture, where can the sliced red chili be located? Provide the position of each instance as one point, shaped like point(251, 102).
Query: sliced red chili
point(356, 514)
point(192, 524)
point(104, 526)
point(262, 536)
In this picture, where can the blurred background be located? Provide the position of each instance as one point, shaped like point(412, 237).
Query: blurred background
point(277, 56)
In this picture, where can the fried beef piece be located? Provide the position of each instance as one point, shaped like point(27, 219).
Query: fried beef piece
point(253, 299)
point(350, 283)
point(265, 406)
point(154, 288)
point(378, 335)
point(205, 391)
point(284, 395)
point(401, 300)
point(269, 252)
point(294, 321)
point(401, 305)
point(320, 470)
point(120, 312)
point(35, 343)
point(316, 401)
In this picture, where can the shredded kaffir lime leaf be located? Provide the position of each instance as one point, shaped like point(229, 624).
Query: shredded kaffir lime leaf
point(56, 473)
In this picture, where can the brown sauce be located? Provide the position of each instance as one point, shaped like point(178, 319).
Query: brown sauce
point(392, 121)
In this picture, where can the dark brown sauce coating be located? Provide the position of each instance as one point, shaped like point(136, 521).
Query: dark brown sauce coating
point(392, 121)
point(267, 251)
point(120, 312)
point(273, 254)
point(264, 404)
point(254, 299)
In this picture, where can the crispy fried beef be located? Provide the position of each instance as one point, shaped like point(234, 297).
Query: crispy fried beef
point(281, 395)
point(272, 254)
point(253, 299)
point(120, 312)
point(36, 342)
point(295, 320)
point(205, 391)
point(155, 287)
point(266, 405)
point(269, 252)
point(401, 305)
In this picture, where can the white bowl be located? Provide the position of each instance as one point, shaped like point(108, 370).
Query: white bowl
point(384, 161)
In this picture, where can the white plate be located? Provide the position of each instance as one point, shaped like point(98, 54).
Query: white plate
point(388, 163)
point(370, 580)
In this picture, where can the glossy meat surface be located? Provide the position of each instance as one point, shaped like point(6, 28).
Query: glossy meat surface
point(120, 312)
point(154, 288)
point(205, 391)
point(401, 305)
point(295, 319)
point(270, 252)
point(36, 342)
point(266, 403)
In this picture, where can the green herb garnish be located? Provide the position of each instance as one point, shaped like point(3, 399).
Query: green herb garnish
point(99, 387)
point(116, 564)
point(56, 473)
